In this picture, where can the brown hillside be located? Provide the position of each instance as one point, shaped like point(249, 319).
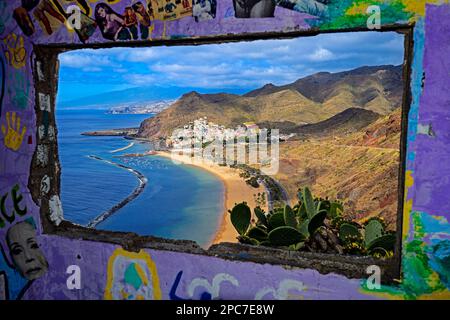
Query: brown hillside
point(308, 100)
point(232, 110)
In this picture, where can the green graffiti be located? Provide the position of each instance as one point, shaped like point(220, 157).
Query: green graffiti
point(132, 276)
point(19, 90)
point(422, 276)
point(16, 200)
point(352, 13)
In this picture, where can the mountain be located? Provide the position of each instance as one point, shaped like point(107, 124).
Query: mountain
point(232, 110)
point(145, 94)
point(377, 88)
point(360, 168)
point(383, 133)
point(141, 107)
point(308, 100)
point(346, 122)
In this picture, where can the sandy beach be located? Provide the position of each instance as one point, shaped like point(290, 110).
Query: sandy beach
point(236, 191)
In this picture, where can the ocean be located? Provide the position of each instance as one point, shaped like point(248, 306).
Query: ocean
point(179, 201)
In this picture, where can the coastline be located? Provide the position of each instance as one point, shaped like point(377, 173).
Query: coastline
point(236, 191)
point(136, 192)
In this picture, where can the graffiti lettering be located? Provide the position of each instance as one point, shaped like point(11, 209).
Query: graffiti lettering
point(212, 288)
point(373, 282)
point(74, 280)
point(282, 292)
point(16, 199)
point(74, 19)
point(374, 21)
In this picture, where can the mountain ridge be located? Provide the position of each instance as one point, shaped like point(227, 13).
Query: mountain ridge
point(308, 100)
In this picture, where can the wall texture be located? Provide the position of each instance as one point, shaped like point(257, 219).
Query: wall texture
point(107, 270)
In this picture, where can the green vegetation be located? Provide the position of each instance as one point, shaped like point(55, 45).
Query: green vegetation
point(313, 224)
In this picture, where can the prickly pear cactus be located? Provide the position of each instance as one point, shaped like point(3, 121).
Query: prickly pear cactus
point(289, 217)
point(276, 220)
point(285, 236)
point(257, 233)
point(373, 230)
point(347, 231)
point(240, 217)
point(316, 221)
point(308, 200)
point(262, 219)
point(387, 242)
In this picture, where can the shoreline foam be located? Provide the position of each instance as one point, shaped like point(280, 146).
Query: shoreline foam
point(136, 192)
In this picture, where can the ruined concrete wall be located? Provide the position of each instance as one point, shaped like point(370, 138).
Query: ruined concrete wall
point(29, 196)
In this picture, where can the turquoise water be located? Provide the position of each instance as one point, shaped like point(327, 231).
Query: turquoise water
point(179, 201)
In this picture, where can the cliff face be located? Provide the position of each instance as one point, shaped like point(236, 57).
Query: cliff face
point(360, 168)
point(306, 101)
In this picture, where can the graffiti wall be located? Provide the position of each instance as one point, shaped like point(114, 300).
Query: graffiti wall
point(37, 265)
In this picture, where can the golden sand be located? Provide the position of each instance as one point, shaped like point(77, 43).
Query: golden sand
point(236, 191)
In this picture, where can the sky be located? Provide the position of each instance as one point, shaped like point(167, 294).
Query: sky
point(226, 67)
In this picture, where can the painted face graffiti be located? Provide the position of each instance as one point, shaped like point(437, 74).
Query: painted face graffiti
point(254, 8)
point(111, 24)
point(312, 7)
point(25, 252)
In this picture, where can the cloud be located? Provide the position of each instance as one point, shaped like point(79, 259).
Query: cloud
point(140, 79)
point(140, 55)
point(83, 60)
point(244, 65)
point(198, 69)
point(321, 54)
point(92, 69)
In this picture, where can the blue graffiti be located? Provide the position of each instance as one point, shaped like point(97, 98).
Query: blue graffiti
point(16, 285)
point(173, 295)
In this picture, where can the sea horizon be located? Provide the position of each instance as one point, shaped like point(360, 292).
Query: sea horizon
point(177, 200)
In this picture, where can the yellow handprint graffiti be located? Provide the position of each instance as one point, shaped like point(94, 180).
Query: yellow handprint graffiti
point(16, 53)
point(12, 136)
